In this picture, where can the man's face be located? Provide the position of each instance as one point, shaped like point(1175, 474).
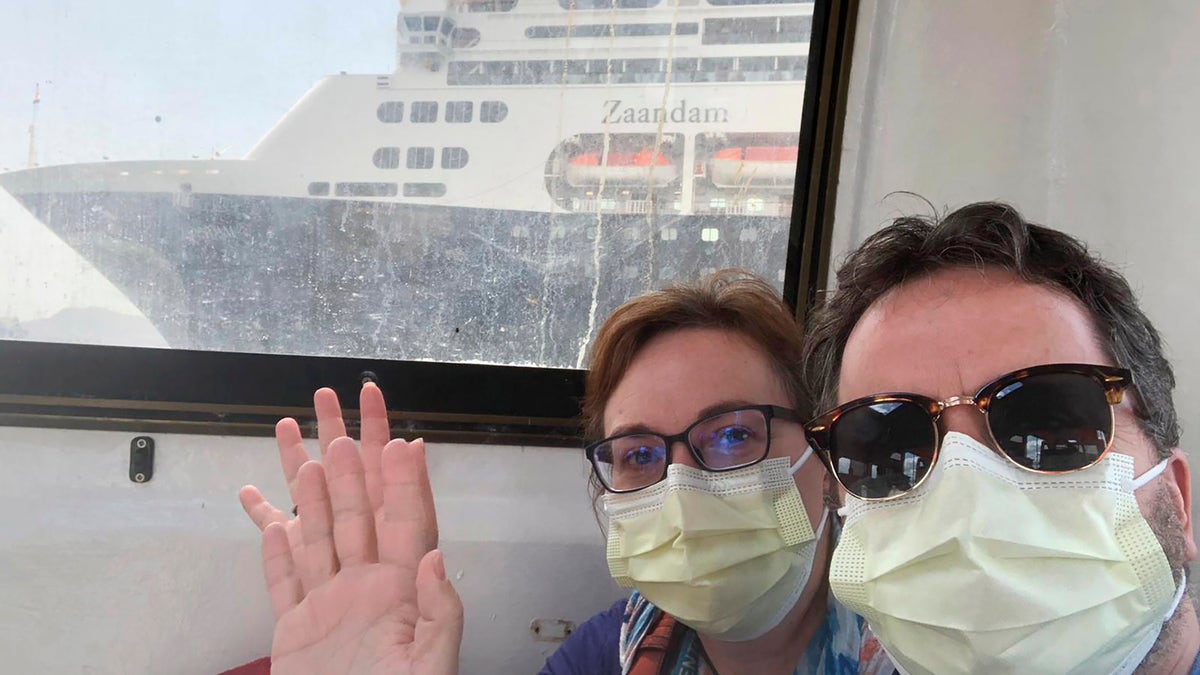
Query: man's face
point(954, 331)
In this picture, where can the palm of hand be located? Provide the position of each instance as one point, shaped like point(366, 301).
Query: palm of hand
point(357, 622)
point(356, 582)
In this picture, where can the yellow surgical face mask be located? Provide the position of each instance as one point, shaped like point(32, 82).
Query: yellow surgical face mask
point(727, 553)
point(986, 568)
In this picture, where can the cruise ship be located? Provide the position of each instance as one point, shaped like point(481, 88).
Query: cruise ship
point(528, 165)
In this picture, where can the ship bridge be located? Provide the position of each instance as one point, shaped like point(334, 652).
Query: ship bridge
point(426, 32)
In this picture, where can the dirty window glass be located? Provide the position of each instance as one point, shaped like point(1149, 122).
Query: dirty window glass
point(483, 181)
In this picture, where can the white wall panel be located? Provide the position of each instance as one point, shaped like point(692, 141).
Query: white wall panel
point(102, 575)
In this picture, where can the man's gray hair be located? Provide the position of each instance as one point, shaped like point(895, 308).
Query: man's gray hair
point(992, 235)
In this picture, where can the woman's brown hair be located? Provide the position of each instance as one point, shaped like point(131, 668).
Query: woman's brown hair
point(732, 300)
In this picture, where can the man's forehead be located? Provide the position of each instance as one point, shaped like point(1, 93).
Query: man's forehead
point(955, 330)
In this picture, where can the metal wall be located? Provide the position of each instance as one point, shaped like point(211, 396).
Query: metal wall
point(99, 574)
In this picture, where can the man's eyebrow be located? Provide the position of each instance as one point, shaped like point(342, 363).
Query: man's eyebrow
point(719, 407)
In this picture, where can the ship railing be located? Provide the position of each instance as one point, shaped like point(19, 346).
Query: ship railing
point(644, 206)
point(635, 206)
point(775, 209)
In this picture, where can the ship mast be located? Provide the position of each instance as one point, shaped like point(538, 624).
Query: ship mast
point(37, 97)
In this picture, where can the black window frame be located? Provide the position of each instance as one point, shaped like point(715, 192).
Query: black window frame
point(144, 390)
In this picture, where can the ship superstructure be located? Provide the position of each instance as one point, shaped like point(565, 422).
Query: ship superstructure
point(528, 165)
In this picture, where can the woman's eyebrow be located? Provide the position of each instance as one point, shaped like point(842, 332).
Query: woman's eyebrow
point(715, 408)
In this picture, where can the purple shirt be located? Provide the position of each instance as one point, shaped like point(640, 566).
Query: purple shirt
point(592, 648)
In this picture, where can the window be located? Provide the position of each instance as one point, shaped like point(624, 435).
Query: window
point(387, 158)
point(386, 194)
point(489, 5)
point(791, 67)
point(627, 71)
point(756, 68)
point(464, 38)
point(770, 29)
point(610, 30)
point(606, 4)
point(644, 71)
point(295, 263)
point(454, 158)
point(542, 72)
point(466, 73)
point(365, 190)
point(719, 69)
point(501, 71)
point(424, 189)
point(459, 111)
point(491, 112)
point(420, 158)
point(758, 2)
point(423, 112)
point(390, 112)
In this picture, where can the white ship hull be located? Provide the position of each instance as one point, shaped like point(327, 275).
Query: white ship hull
point(253, 273)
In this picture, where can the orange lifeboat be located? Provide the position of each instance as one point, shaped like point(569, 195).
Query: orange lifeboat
point(767, 166)
point(645, 168)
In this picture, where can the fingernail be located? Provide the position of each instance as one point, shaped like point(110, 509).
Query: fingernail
point(439, 565)
point(369, 383)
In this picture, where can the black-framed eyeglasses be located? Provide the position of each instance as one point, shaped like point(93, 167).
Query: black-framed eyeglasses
point(1051, 419)
point(733, 439)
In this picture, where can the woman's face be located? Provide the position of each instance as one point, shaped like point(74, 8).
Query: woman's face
point(684, 375)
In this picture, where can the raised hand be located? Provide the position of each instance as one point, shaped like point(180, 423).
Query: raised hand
point(330, 425)
point(365, 594)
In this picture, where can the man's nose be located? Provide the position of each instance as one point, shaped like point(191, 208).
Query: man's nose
point(965, 419)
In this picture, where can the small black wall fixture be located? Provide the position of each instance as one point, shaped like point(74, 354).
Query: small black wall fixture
point(141, 459)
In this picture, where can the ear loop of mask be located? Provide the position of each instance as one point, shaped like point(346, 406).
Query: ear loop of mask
point(1151, 473)
point(825, 511)
point(1135, 657)
point(800, 462)
point(1143, 648)
point(821, 528)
